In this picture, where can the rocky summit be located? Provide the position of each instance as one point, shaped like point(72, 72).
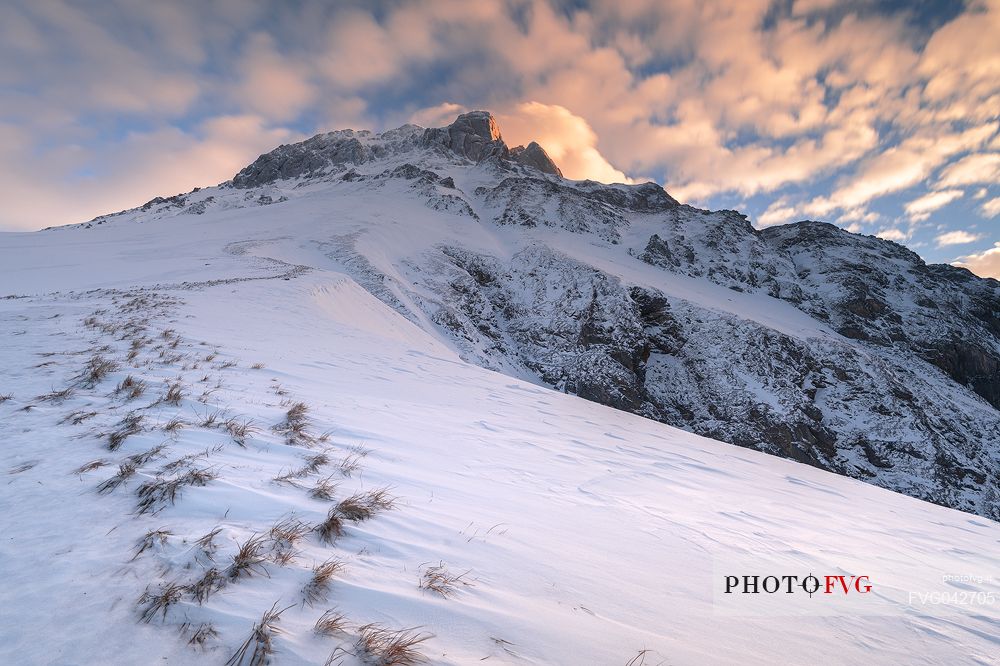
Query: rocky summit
point(841, 351)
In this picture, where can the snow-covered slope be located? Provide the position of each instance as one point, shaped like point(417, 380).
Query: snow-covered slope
point(579, 533)
point(842, 351)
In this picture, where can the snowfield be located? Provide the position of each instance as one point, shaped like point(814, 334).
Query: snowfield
point(566, 532)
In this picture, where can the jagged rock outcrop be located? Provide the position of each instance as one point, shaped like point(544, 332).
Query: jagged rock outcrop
point(474, 136)
point(535, 156)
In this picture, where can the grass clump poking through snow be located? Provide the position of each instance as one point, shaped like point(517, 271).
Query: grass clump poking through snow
point(56, 396)
point(239, 430)
point(125, 471)
point(150, 540)
point(295, 424)
point(174, 394)
point(325, 489)
point(174, 425)
point(158, 493)
point(131, 387)
point(386, 647)
point(261, 639)
point(287, 532)
point(362, 506)
point(97, 369)
point(200, 636)
point(92, 465)
point(249, 558)
point(438, 579)
point(331, 623)
point(128, 426)
point(332, 528)
point(212, 581)
point(140, 459)
point(160, 601)
point(319, 585)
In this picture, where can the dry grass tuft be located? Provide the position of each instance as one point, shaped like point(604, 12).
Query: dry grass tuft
point(160, 601)
point(239, 430)
point(140, 459)
point(174, 425)
point(125, 471)
point(211, 419)
point(128, 426)
point(5, 397)
point(157, 493)
point(319, 585)
point(362, 506)
point(261, 639)
point(207, 542)
point(76, 418)
point(288, 531)
point(332, 528)
point(92, 465)
point(640, 658)
point(174, 394)
point(350, 464)
point(249, 559)
point(22, 467)
point(295, 424)
point(97, 369)
point(386, 647)
point(212, 581)
point(331, 623)
point(131, 387)
point(151, 538)
point(325, 489)
point(56, 396)
point(257, 366)
point(200, 636)
point(439, 579)
point(313, 464)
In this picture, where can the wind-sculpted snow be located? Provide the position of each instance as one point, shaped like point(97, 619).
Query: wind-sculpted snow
point(845, 352)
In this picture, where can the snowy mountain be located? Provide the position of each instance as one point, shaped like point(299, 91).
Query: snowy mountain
point(846, 352)
point(307, 416)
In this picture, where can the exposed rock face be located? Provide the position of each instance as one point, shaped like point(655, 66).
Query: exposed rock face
point(474, 135)
point(841, 351)
point(535, 156)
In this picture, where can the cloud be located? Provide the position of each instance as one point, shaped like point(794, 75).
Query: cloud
point(141, 166)
point(986, 263)
point(922, 207)
point(976, 168)
point(991, 208)
point(270, 84)
point(567, 138)
point(958, 237)
point(893, 234)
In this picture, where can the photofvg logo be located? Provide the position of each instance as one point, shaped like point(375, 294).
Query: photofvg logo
point(749, 586)
point(808, 584)
point(754, 587)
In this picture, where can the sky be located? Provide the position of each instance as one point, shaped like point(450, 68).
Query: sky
point(880, 116)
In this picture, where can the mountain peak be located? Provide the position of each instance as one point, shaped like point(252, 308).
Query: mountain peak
point(474, 136)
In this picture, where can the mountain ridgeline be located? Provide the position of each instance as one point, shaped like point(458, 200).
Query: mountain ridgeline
point(841, 351)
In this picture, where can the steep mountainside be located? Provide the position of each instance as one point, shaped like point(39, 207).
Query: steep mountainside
point(842, 351)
